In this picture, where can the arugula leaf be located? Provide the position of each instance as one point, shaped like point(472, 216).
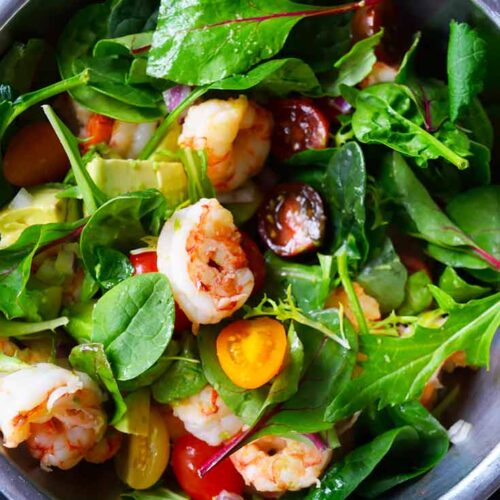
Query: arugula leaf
point(457, 288)
point(195, 164)
point(388, 114)
point(466, 66)
point(9, 328)
point(310, 283)
point(16, 300)
point(384, 277)
point(116, 227)
point(92, 195)
point(417, 295)
point(243, 34)
point(132, 16)
point(135, 321)
point(91, 359)
point(183, 378)
point(397, 368)
point(11, 364)
point(407, 442)
point(356, 65)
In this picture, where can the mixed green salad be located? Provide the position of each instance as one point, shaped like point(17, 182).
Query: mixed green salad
point(244, 244)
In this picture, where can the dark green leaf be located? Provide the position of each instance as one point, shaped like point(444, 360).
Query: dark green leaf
point(457, 288)
point(135, 321)
point(129, 45)
point(158, 493)
point(132, 16)
point(111, 267)
point(417, 295)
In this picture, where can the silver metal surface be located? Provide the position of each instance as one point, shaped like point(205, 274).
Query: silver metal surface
point(470, 471)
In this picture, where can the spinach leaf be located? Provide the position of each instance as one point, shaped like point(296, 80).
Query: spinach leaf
point(159, 493)
point(241, 33)
point(183, 378)
point(457, 288)
point(466, 66)
point(310, 283)
point(135, 321)
point(91, 359)
point(384, 277)
point(388, 114)
point(397, 368)
point(132, 16)
point(91, 194)
point(354, 66)
point(16, 300)
point(417, 295)
point(407, 441)
point(135, 45)
point(116, 227)
point(11, 364)
point(9, 328)
point(430, 223)
point(475, 118)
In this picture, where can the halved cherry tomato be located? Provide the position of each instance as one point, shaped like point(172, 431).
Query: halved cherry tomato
point(256, 261)
point(142, 459)
point(99, 130)
point(292, 219)
point(188, 455)
point(299, 124)
point(251, 351)
point(146, 262)
point(35, 156)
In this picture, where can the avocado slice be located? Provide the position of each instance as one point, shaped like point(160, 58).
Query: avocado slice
point(117, 176)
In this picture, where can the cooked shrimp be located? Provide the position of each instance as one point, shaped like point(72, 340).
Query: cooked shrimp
point(106, 448)
point(380, 73)
point(199, 251)
point(129, 139)
point(368, 304)
point(58, 412)
point(275, 465)
point(207, 417)
point(236, 134)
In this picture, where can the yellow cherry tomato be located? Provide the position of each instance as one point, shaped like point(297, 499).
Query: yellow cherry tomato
point(142, 459)
point(251, 351)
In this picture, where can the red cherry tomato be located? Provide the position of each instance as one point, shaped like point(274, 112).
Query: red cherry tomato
point(188, 455)
point(99, 130)
point(292, 219)
point(256, 261)
point(299, 124)
point(145, 262)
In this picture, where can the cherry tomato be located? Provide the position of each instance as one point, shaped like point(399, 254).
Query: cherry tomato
point(299, 124)
point(146, 262)
point(292, 219)
point(35, 156)
point(188, 455)
point(142, 459)
point(256, 261)
point(99, 130)
point(251, 351)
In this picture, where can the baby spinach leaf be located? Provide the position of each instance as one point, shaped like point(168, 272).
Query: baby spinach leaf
point(310, 283)
point(183, 378)
point(135, 321)
point(10, 328)
point(466, 66)
point(457, 288)
point(16, 300)
point(384, 277)
point(397, 368)
point(91, 359)
point(406, 442)
point(132, 16)
point(242, 33)
point(136, 45)
point(158, 493)
point(354, 66)
point(417, 295)
point(388, 114)
point(118, 226)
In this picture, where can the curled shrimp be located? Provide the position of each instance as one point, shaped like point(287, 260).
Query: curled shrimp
point(129, 139)
point(274, 464)
point(235, 133)
point(56, 411)
point(199, 251)
point(207, 417)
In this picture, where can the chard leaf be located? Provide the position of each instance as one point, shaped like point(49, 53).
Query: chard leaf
point(457, 288)
point(388, 114)
point(183, 378)
point(135, 321)
point(202, 41)
point(91, 359)
point(466, 66)
point(354, 66)
point(396, 369)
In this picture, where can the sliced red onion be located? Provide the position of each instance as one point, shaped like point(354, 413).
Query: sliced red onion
point(226, 495)
point(175, 95)
point(341, 105)
point(316, 441)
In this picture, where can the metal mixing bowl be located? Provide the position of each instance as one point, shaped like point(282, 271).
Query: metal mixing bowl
point(470, 471)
